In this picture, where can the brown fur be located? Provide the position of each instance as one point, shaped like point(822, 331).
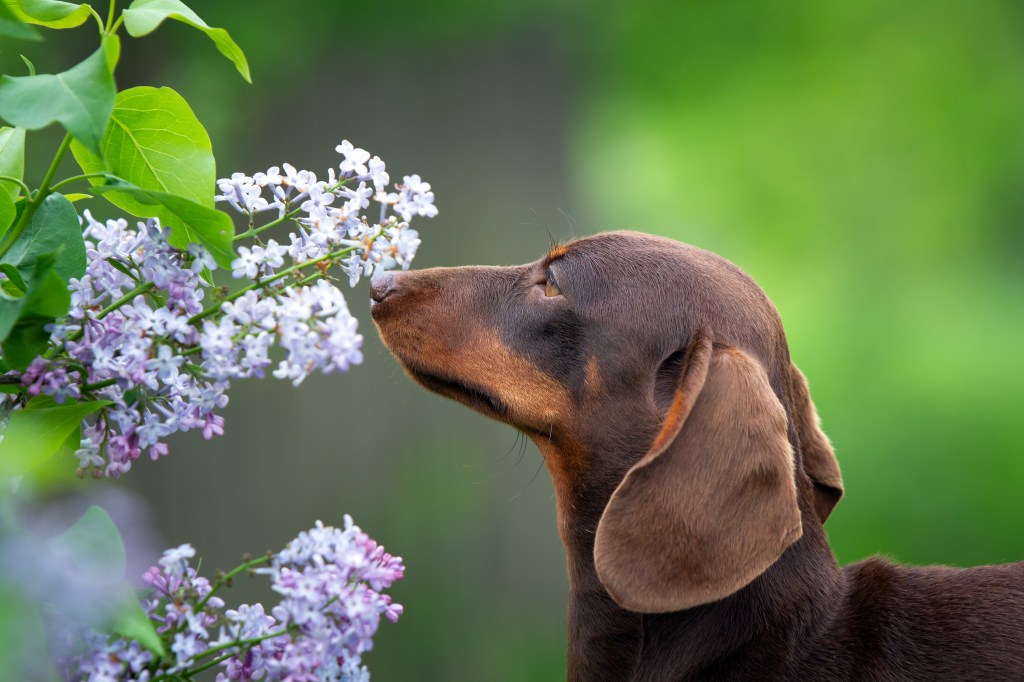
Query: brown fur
point(691, 474)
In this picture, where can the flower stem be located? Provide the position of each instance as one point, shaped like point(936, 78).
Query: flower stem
point(240, 643)
point(99, 384)
point(187, 674)
point(270, 280)
point(229, 575)
point(140, 289)
point(253, 231)
point(208, 665)
point(44, 190)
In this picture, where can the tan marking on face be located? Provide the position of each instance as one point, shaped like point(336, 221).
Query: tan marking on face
point(565, 462)
point(532, 396)
point(535, 400)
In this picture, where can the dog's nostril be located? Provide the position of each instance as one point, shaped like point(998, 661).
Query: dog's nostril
point(381, 287)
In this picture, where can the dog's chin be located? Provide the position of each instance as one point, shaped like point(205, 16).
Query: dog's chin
point(470, 395)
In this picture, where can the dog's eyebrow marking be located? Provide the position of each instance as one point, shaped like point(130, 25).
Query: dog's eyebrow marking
point(556, 252)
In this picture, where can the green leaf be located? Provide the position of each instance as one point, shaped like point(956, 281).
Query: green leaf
point(12, 158)
point(143, 16)
point(112, 49)
point(13, 275)
point(19, 207)
point(49, 13)
point(13, 27)
point(7, 211)
point(80, 99)
point(154, 141)
point(54, 229)
point(131, 621)
point(95, 534)
point(190, 223)
point(95, 538)
point(77, 196)
point(23, 319)
point(23, 651)
point(33, 435)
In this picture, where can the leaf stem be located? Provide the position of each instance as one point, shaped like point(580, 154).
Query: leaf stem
point(110, 17)
point(17, 181)
point(75, 178)
point(44, 190)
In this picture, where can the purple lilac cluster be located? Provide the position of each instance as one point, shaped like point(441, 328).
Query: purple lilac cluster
point(138, 334)
point(130, 349)
point(330, 581)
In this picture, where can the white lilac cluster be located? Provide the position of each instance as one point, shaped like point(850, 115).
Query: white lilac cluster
point(330, 214)
point(330, 581)
point(311, 323)
point(139, 336)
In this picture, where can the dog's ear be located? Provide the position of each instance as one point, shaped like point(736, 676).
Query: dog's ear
point(713, 502)
point(819, 460)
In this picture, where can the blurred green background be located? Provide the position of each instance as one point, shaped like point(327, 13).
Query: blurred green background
point(863, 161)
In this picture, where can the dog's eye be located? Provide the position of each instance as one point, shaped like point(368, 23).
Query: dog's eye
point(551, 286)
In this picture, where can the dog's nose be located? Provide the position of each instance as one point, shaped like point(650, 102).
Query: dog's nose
point(382, 286)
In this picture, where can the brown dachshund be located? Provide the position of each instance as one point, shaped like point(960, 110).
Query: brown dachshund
point(691, 476)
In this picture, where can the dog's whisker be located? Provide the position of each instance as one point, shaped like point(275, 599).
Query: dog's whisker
point(540, 465)
point(570, 220)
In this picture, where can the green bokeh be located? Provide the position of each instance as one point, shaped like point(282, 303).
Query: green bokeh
point(863, 161)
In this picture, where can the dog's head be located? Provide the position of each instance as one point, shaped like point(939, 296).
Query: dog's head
point(656, 381)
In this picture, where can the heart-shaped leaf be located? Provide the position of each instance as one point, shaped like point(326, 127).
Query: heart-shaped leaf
point(80, 99)
point(143, 16)
point(154, 141)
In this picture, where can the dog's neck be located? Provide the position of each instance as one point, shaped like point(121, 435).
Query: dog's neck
point(792, 599)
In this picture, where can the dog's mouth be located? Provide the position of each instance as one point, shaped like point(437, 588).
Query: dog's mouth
point(468, 394)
